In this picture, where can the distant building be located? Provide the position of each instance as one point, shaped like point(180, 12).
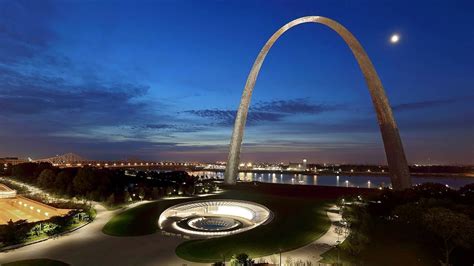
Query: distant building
point(11, 160)
point(303, 166)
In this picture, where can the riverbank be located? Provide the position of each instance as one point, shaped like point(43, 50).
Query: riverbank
point(342, 173)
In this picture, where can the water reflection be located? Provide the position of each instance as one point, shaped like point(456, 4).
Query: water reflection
point(344, 181)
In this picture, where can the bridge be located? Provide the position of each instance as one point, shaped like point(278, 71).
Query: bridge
point(74, 160)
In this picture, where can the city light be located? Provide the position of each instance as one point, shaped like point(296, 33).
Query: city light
point(134, 133)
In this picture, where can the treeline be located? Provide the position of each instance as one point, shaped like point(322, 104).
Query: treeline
point(441, 169)
point(445, 169)
point(436, 221)
point(113, 186)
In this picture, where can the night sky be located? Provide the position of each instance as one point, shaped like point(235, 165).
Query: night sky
point(162, 80)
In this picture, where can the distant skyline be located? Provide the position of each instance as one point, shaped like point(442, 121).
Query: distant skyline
point(162, 80)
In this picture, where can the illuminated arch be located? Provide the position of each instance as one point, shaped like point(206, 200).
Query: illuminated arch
point(396, 159)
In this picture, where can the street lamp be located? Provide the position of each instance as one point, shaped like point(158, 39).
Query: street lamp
point(338, 249)
point(280, 256)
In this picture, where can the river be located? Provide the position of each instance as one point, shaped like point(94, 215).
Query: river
point(374, 181)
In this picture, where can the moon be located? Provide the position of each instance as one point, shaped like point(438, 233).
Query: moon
point(394, 38)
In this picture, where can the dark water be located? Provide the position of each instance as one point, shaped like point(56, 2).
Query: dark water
point(338, 181)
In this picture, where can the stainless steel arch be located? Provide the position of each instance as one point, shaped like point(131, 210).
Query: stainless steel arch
point(396, 159)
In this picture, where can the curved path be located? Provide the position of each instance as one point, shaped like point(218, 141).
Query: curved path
point(312, 252)
point(89, 246)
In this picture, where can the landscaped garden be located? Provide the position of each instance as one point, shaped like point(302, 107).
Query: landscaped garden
point(299, 218)
point(430, 224)
point(22, 231)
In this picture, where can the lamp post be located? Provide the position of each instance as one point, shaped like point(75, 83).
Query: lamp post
point(280, 256)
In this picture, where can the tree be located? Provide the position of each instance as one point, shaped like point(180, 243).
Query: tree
point(451, 228)
point(410, 213)
point(467, 192)
point(242, 259)
point(24, 170)
point(434, 190)
point(102, 180)
point(126, 196)
point(358, 221)
point(169, 190)
point(189, 190)
point(14, 232)
point(46, 178)
point(40, 167)
point(141, 193)
point(155, 193)
point(64, 180)
point(84, 181)
point(111, 200)
point(339, 230)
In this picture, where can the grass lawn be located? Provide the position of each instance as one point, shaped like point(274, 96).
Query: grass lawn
point(299, 218)
point(140, 220)
point(36, 262)
point(297, 222)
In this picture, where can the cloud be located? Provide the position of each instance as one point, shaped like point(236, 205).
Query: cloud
point(38, 94)
point(293, 106)
point(159, 126)
point(429, 103)
point(270, 111)
point(227, 117)
point(172, 128)
point(57, 99)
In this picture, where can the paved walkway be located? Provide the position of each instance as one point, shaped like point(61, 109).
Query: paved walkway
point(313, 251)
point(89, 246)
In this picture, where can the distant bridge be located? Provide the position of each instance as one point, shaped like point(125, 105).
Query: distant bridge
point(74, 160)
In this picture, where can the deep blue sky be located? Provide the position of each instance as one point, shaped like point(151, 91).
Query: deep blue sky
point(161, 80)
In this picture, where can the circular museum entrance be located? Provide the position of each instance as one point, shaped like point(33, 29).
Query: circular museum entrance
point(213, 218)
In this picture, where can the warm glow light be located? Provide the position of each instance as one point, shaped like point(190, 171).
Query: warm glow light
point(395, 38)
point(251, 213)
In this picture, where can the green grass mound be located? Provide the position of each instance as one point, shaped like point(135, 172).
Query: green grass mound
point(36, 262)
point(138, 221)
point(297, 222)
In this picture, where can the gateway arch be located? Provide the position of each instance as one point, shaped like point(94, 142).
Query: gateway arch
point(397, 163)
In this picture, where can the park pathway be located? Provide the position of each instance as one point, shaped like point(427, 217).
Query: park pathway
point(89, 246)
point(311, 252)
